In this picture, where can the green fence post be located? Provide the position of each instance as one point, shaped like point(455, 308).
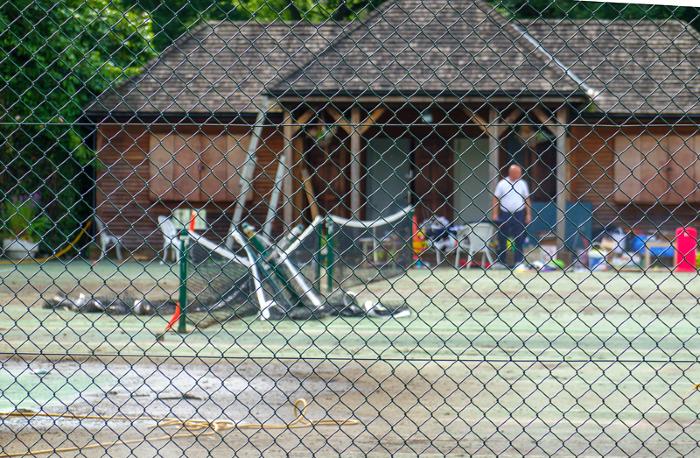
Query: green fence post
point(330, 255)
point(182, 323)
point(318, 256)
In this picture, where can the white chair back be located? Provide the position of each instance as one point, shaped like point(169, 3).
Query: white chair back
point(107, 239)
point(480, 235)
point(105, 236)
point(167, 227)
point(99, 224)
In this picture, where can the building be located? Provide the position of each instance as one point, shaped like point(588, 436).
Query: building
point(426, 108)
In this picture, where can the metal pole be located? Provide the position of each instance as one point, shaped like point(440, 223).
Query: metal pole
point(318, 256)
point(247, 171)
point(355, 164)
point(282, 172)
point(182, 323)
point(562, 116)
point(330, 256)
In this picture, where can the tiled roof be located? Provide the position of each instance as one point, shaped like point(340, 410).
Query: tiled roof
point(641, 67)
point(219, 67)
point(411, 47)
point(437, 46)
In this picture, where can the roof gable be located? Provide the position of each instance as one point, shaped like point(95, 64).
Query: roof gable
point(440, 46)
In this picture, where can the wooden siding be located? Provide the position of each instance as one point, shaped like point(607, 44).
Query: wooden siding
point(592, 178)
point(123, 200)
point(125, 204)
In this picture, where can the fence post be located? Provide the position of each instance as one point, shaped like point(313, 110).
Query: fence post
point(182, 323)
point(318, 256)
point(330, 256)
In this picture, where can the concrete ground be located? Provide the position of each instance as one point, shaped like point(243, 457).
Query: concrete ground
point(490, 363)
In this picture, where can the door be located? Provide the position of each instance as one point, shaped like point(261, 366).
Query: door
point(388, 175)
point(471, 177)
point(433, 184)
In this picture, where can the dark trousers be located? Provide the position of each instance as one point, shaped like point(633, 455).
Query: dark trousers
point(511, 227)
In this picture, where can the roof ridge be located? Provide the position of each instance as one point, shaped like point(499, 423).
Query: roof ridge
point(354, 25)
point(550, 57)
point(490, 11)
point(603, 21)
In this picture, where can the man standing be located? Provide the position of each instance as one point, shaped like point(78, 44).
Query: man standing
point(512, 211)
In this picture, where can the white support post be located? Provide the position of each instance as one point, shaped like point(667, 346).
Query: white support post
point(282, 172)
point(248, 170)
point(355, 165)
point(494, 130)
point(288, 129)
point(562, 116)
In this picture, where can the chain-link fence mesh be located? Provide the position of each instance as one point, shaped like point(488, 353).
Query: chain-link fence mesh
point(247, 227)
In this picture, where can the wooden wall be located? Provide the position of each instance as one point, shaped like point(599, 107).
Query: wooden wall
point(592, 175)
point(123, 200)
point(125, 204)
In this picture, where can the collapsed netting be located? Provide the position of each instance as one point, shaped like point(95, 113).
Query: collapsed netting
point(256, 278)
point(364, 252)
point(284, 278)
point(219, 282)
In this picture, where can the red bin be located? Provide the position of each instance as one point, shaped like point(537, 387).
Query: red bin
point(686, 246)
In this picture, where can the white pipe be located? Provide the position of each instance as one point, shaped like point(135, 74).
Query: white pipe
point(248, 170)
point(259, 293)
point(281, 174)
point(592, 93)
point(294, 245)
point(297, 276)
point(371, 224)
point(218, 249)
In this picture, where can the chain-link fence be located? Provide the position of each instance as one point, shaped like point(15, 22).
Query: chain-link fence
point(247, 227)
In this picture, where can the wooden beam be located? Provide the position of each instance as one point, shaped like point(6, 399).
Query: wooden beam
point(545, 120)
point(287, 210)
point(340, 120)
point(309, 191)
point(355, 169)
point(562, 117)
point(508, 120)
point(494, 144)
point(481, 122)
point(371, 119)
point(303, 119)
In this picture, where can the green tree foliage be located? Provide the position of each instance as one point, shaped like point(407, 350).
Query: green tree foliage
point(174, 17)
point(54, 58)
point(171, 19)
point(575, 9)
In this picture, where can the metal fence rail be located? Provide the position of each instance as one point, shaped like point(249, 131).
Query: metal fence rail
point(367, 227)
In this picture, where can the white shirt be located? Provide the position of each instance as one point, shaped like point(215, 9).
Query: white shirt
point(512, 196)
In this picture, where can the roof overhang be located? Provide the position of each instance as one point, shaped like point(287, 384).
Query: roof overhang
point(316, 97)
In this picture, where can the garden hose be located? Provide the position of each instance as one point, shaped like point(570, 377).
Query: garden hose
point(57, 254)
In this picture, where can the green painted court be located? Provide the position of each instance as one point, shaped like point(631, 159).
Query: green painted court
point(458, 315)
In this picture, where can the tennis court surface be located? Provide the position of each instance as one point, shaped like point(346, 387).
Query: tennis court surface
point(490, 362)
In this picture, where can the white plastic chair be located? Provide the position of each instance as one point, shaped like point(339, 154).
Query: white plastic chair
point(442, 252)
point(478, 236)
point(171, 240)
point(107, 240)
